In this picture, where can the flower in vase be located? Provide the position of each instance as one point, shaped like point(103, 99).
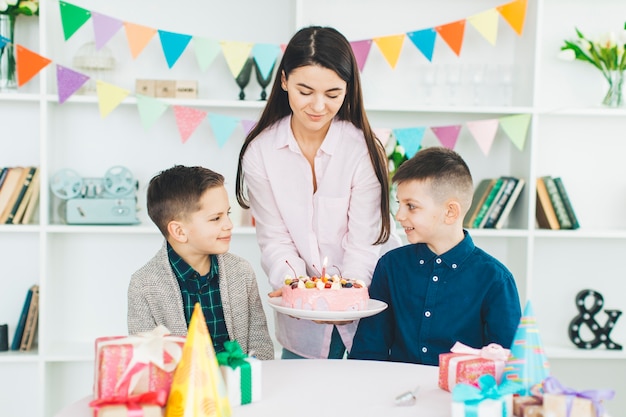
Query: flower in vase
point(15, 7)
point(605, 52)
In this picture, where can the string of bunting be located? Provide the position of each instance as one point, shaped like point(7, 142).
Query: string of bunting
point(235, 53)
point(188, 119)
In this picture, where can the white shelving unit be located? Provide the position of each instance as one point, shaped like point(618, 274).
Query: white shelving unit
point(83, 271)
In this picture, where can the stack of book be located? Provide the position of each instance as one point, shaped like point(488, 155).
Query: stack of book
point(26, 329)
point(493, 201)
point(19, 194)
point(554, 208)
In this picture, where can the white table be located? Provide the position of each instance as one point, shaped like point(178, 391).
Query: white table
point(333, 388)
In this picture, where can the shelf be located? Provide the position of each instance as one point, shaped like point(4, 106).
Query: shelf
point(130, 229)
point(583, 354)
point(580, 234)
point(16, 356)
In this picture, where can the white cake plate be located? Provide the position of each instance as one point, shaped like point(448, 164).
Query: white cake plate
point(373, 307)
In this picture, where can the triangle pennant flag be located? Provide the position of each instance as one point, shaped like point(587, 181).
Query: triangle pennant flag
point(28, 64)
point(198, 388)
point(361, 50)
point(528, 364)
point(4, 41)
point(248, 125)
point(410, 139)
point(484, 132)
point(173, 45)
point(104, 28)
point(452, 34)
point(150, 110)
point(188, 120)
point(516, 128)
point(236, 54)
point(109, 97)
point(68, 82)
point(223, 126)
point(206, 51)
point(138, 37)
point(390, 46)
point(515, 14)
point(486, 23)
point(265, 56)
point(383, 135)
point(424, 41)
point(72, 18)
point(447, 135)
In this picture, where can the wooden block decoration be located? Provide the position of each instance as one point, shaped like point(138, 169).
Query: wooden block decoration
point(165, 88)
point(186, 89)
point(586, 317)
point(145, 87)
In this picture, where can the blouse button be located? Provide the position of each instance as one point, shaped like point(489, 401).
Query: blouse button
point(435, 278)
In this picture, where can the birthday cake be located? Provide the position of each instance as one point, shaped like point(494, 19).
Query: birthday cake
point(325, 294)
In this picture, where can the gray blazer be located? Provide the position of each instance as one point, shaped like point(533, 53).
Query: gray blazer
point(154, 298)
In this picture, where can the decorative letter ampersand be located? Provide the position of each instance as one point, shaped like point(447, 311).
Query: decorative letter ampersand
point(586, 317)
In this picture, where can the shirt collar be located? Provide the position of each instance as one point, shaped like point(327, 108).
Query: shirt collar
point(285, 138)
point(184, 271)
point(455, 256)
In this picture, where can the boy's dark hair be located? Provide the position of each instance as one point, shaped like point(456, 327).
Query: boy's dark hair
point(175, 193)
point(446, 170)
point(328, 48)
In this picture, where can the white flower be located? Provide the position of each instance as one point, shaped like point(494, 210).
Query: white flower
point(11, 2)
point(607, 40)
point(32, 5)
point(567, 55)
point(3, 6)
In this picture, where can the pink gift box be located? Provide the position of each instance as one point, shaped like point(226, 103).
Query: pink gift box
point(126, 411)
point(127, 365)
point(465, 365)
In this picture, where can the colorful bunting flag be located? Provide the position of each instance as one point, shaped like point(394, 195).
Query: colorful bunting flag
point(222, 127)
point(452, 34)
point(187, 120)
point(104, 28)
point(138, 37)
point(424, 40)
point(4, 41)
point(390, 46)
point(528, 364)
point(68, 82)
point(150, 110)
point(28, 64)
point(72, 18)
point(206, 51)
point(248, 125)
point(410, 139)
point(361, 50)
point(447, 135)
point(484, 132)
point(109, 97)
point(236, 54)
point(486, 23)
point(383, 134)
point(516, 128)
point(173, 45)
point(515, 14)
point(265, 56)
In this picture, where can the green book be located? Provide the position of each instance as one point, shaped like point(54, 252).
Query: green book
point(557, 203)
point(480, 195)
point(485, 207)
point(498, 204)
point(566, 202)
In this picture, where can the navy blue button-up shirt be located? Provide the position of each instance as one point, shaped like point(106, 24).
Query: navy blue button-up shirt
point(463, 295)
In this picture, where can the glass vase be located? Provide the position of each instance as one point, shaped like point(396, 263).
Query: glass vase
point(8, 80)
point(613, 97)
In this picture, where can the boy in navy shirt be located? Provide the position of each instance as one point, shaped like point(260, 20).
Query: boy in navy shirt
point(441, 288)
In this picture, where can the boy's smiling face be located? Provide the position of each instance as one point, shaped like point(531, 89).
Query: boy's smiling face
point(421, 216)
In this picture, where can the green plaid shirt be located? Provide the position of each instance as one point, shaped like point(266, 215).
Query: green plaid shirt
point(205, 290)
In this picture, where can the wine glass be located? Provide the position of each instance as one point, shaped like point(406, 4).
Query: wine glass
point(244, 77)
point(263, 82)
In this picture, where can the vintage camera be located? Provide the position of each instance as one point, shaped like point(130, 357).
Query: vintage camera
point(111, 199)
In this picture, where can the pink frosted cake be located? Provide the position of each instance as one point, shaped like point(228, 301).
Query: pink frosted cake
point(328, 294)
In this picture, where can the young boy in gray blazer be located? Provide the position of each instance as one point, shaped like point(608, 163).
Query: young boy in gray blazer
point(190, 207)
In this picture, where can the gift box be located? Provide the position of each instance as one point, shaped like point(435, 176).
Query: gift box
point(242, 374)
point(128, 365)
point(148, 404)
point(129, 411)
point(465, 364)
point(561, 401)
point(487, 400)
point(527, 406)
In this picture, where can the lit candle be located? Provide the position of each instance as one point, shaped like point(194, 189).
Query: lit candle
point(324, 267)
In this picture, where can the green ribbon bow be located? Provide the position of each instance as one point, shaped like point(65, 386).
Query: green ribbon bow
point(472, 396)
point(235, 358)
